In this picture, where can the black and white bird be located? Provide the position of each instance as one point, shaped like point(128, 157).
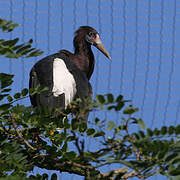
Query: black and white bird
point(66, 74)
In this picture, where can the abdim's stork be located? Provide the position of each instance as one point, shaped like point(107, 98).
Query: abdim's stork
point(66, 74)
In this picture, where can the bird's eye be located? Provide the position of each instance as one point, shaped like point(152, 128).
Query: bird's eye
point(92, 35)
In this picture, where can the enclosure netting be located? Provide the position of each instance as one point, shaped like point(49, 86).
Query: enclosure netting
point(142, 37)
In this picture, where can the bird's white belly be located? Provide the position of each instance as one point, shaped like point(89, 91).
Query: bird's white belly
point(63, 81)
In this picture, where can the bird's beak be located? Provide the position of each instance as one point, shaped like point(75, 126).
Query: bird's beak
point(98, 44)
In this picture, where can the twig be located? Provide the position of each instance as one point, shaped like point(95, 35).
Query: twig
point(82, 145)
point(20, 136)
point(19, 99)
point(63, 166)
point(77, 143)
point(130, 174)
point(113, 173)
point(84, 170)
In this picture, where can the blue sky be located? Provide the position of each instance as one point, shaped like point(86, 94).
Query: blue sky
point(142, 37)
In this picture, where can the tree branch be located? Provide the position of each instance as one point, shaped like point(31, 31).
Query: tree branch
point(61, 165)
point(19, 134)
point(110, 175)
point(77, 144)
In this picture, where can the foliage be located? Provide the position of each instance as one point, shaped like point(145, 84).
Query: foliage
point(31, 137)
point(11, 48)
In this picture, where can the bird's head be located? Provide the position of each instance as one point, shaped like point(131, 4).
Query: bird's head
point(91, 37)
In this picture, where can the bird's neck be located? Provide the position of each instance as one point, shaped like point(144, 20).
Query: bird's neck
point(84, 59)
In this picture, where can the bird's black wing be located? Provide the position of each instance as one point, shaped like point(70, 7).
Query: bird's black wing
point(42, 75)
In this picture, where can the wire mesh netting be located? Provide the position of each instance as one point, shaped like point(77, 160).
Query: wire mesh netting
point(142, 37)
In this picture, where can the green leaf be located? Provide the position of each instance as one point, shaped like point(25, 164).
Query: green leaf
point(119, 98)
point(30, 41)
point(22, 49)
point(110, 98)
point(126, 163)
point(10, 42)
point(141, 123)
point(4, 107)
point(82, 126)
point(122, 127)
point(54, 176)
point(119, 106)
point(100, 99)
point(38, 90)
point(173, 171)
point(7, 51)
point(90, 131)
point(28, 51)
point(12, 26)
point(141, 133)
point(65, 147)
point(66, 123)
point(2, 96)
point(149, 132)
point(162, 153)
point(111, 107)
point(111, 125)
point(130, 110)
point(17, 47)
point(41, 89)
point(7, 25)
point(176, 177)
point(136, 135)
point(6, 90)
point(35, 53)
point(24, 92)
point(171, 130)
point(98, 134)
point(11, 177)
point(96, 120)
point(70, 155)
point(44, 176)
point(170, 157)
point(177, 130)
point(70, 138)
point(32, 91)
point(74, 124)
point(6, 80)
point(17, 96)
point(156, 132)
point(9, 98)
point(163, 130)
point(176, 160)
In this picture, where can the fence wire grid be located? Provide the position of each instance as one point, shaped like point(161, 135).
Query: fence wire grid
point(142, 37)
